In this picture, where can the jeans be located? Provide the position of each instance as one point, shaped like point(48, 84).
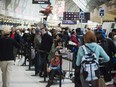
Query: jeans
point(37, 63)
point(43, 62)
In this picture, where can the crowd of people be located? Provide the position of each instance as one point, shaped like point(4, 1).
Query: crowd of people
point(47, 45)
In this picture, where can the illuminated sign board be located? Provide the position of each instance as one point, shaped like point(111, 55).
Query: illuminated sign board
point(69, 22)
point(41, 1)
point(84, 17)
point(71, 16)
point(101, 12)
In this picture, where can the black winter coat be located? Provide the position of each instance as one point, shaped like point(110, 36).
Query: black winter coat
point(46, 43)
point(6, 48)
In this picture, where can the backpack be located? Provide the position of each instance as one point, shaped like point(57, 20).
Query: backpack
point(89, 65)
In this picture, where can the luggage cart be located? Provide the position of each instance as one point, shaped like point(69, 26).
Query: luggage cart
point(67, 64)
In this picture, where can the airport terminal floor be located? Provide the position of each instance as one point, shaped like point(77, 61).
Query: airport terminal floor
point(22, 77)
point(46, 32)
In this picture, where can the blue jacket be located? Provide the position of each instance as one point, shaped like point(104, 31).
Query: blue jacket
point(96, 48)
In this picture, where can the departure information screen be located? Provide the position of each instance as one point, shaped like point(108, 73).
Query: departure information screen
point(81, 16)
point(71, 15)
point(40, 1)
point(84, 17)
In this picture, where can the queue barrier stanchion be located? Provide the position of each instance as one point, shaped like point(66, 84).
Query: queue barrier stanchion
point(30, 58)
point(60, 81)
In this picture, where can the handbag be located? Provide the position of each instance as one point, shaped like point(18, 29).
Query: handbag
point(72, 43)
point(101, 82)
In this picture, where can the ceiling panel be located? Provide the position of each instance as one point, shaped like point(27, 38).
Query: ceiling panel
point(25, 8)
point(70, 6)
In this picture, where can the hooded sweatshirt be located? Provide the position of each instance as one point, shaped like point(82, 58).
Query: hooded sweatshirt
point(96, 48)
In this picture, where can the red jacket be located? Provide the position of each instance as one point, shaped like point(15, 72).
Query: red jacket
point(74, 39)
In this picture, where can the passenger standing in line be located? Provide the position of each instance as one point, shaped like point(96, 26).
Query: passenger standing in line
point(114, 31)
point(75, 50)
point(74, 38)
point(65, 37)
point(79, 35)
point(37, 42)
point(57, 37)
point(29, 44)
point(111, 35)
point(114, 40)
point(109, 47)
point(14, 35)
point(90, 41)
point(45, 48)
point(100, 29)
point(31, 36)
point(7, 57)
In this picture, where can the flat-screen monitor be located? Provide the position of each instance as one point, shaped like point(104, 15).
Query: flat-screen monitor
point(71, 15)
point(40, 1)
point(81, 16)
point(84, 17)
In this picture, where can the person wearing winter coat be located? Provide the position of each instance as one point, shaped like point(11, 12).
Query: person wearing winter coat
point(90, 41)
point(7, 56)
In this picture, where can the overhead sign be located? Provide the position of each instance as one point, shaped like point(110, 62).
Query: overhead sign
point(81, 15)
point(41, 1)
point(71, 15)
point(84, 17)
point(101, 12)
point(69, 22)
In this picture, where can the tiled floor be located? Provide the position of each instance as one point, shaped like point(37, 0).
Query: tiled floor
point(22, 78)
